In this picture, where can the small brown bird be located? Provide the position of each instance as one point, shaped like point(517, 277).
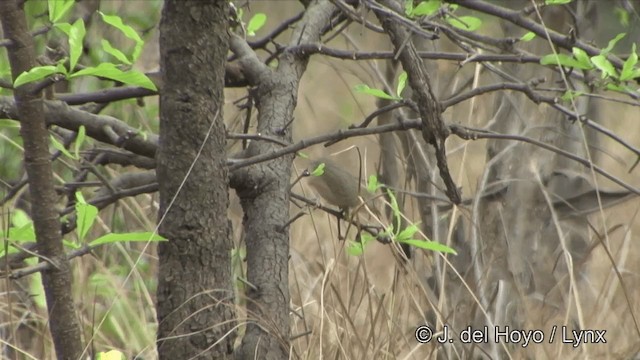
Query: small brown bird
point(336, 185)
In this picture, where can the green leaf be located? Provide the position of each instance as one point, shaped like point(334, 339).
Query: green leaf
point(426, 8)
point(407, 233)
point(373, 185)
point(302, 155)
point(612, 44)
point(36, 289)
point(109, 49)
point(76, 38)
point(127, 237)
point(257, 21)
point(402, 83)
point(468, 23)
point(563, 60)
point(87, 214)
point(408, 7)
point(582, 58)
point(58, 146)
point(127, 30)
point(556, 2)
point(319, 170)
point(355, 248)
point(35, 74)
point(623, 16)
point(528, 36)
point(601, 62)
point(110, 71)
point(71, 244)
point(75, 33)
point(19, 218)
point(430, 245)
point(57, 9)
point(570, 95)
point(79, 140)
point(20, 234)
point(9, 123)
point(628, 67)
point(362, 88)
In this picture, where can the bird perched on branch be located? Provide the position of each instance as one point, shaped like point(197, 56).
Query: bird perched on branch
point(340, 188)
point(336, 185)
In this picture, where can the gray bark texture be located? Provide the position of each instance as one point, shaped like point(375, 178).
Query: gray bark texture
point(196, 307)
point(264, 189)
point(57, 281)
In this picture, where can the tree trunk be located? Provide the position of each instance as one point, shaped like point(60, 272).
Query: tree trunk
point(57, 281)
point(195, 288)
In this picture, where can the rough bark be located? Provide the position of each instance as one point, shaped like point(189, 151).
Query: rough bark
point(264, 190)
point(57, 281)
point(433, 131)
point(195, 289)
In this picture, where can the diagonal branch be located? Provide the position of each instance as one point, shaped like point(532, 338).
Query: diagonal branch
point(434, 130)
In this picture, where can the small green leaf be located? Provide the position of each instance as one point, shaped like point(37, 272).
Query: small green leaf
point(582, 58)
point(561, 59)
point(628, 67)
point(257, 21)
point(35, 74)
point(8, 123)
point(362, 88)
point(76, 38)
point(408, 7)
point(556, 2)
point(407, 233)
point(601, 62)
point(623, 16)
point(302, 155)
point(127, 237)
point(528, 36)
point(355, 248)
point(58, 146)
point(19, 218)
point(430, 245)
point(71, 245)
point(87, 214)
point(468, 23)
point(36, 289)
point(319, 170)
point(426, 8)
point(110, 71)
point(116, 53)
point(57, 9)
point(20, 234)
point(612, 44)
point(127, 30)
point(570, 95)
point(75, 33)
point(373, 185)
point(635, 74)
point(79, 140)
point(402, 83)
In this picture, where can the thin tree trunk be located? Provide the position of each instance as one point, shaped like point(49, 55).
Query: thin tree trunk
point(57, 281)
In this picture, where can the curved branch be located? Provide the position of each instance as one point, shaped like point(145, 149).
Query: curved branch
point(566, 42)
